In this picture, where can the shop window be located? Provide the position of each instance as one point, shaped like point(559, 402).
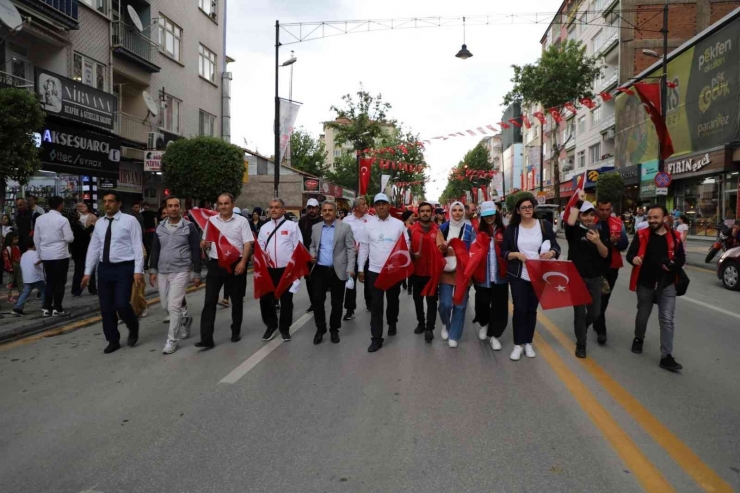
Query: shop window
point(698, 198)
point(206, 124)
point(89, 72)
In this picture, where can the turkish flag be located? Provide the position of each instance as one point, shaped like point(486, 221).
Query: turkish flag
point(649, 94)
point(588, 103)
point(615, 229)
point(476, 267)
point(575, 198)
point(526, 121)
point(571, 107)
point(366, 164)
point(555, 113)
point(605, 96)
point(297, 268)
point(515, 122)
point(437, 267)
point(397, 267)
point(461, 282)
point(625, 91)
point(485, 193)
point(540, 116)
point(227, 253)
point(262, 281)
point(504, 125)
point(557, 284)
point(200, 216)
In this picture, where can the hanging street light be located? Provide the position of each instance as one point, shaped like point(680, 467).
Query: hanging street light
point(464, 53)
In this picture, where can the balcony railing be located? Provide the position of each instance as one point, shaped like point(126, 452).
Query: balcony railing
point(130, 43)
point(609, 81)
point(132, 128)
point(66, 12)
point(609, 43)
point(11, 80)
point(607, 123)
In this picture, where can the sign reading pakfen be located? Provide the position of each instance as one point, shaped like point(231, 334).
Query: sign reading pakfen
point(688, 165)
point(153, 161)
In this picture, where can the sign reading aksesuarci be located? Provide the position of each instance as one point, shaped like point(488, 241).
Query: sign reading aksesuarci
point(71, 150)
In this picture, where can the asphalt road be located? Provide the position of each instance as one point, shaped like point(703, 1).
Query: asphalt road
point(414, 417)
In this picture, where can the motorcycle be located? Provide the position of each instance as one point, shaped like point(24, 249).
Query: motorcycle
point(723, 242)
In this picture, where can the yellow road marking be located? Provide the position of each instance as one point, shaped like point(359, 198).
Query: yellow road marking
point(700, 269)
point(700, 472)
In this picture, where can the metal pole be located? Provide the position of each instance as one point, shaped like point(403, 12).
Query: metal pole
point(663, 93)
point(277, 110)
point(542, 161)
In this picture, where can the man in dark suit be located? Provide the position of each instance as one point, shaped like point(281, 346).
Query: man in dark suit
point(333, 252)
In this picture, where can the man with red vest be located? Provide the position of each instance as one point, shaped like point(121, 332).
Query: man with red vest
point(656, 255)
point(619, 243)
point(423, 236)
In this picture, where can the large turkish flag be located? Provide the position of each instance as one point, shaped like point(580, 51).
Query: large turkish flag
point(201, 216)
point(263, 284)
point(557, 284)
point(398, 266)
point(297, 268)
point(227, 253)
point(366, 165)
point(477, 264)
point(649, 94)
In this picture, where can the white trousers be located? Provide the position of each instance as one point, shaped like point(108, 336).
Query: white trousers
point(172, 289)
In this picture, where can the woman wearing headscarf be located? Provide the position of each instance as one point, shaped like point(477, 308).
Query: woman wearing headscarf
point(492, 295)
point(526, 238)
point(451, 315)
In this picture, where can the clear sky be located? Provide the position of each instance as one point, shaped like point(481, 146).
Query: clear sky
point(431, 91)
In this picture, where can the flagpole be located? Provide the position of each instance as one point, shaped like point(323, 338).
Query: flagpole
point(277, 110)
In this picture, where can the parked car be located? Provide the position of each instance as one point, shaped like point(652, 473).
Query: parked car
point(549, 212)
point(728, 269)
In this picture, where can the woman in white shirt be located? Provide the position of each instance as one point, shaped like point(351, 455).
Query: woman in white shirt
point(683, 229)
point(524, 239)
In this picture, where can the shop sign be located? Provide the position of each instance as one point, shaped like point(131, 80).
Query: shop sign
point(629, 173)
point(74, 100)
point(330, 189)
point(107, 183)
point(153, 161)
point(348, 194)
point(130, 178)
point(70, 150)
point(661, 191)
point(688, 165)
point(310, 185)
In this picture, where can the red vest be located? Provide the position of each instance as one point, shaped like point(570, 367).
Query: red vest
point(644, 235)
point(423, 243)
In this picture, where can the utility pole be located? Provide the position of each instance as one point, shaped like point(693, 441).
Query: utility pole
point(277, 110)
point(663, 93)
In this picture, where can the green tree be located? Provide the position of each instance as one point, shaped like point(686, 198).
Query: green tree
point(563, 73)
point(344, 172)
point(610, 186)
point(475, 159)
point(20, 116)
point(308, 154)
point(511, 200)
point(203, 167)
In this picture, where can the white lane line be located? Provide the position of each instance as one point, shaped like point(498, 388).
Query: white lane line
point(265, 351)
point(711, 307)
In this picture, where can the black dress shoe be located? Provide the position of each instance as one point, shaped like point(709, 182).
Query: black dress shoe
point(601, 338)
point(133, 337)
point(419, 329)
point(310, 309)
point(428, 335)
point(235, 337)
point(318, 337)
point(637, 346)
point(374, 347)
point(580, 351)
point(349, 315)
point(112, 346)
point(205, 344)
point(335, 337)
point(392, 330)
point(670, 364)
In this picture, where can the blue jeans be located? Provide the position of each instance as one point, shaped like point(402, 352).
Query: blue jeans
point(27, 288)
point(456, 321)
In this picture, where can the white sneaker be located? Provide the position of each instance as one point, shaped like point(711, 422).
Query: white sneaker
point(120, 321)
point(483, 333)
point(185, 327)
point(185, 312)
point(166, 319)
point(144, 313)
point(452, 343)
point(445, 334)
point(516, 353)
point(529, 351)
point(170, 347)
point(495, 344)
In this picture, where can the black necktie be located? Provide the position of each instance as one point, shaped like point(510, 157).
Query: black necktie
point(106, 245)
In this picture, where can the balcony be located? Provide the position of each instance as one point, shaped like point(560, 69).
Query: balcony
point(132, 128)
point(64, 12)
point(132, 45)
point(609, 43)
point(10, 80)
point(607, 6)
point(604, 163)
point(609, 81)
point(607, 124)
point(570, 141)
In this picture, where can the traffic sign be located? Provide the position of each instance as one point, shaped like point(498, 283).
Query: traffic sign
point(541, 198)
point(661, 191)
point(663, 179)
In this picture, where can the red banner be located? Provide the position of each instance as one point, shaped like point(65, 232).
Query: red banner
point(461, 282)
point(650, 96)
point(365, 167)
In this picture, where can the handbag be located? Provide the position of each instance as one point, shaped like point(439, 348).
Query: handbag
point(682, 282)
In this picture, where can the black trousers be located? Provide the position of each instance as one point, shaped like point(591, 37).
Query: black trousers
point(323, 279)
point(267, 305)
point(56, 280)
point(216, 278)
point(309, 285)
point(376, 310)
point(115, 282)
point(611, 276)
point(525, 310)
point(492, 308)
point(79, 273)
point(417, 285)
point(350, 297)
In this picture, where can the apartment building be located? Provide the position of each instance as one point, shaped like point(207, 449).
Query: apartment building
point(532, 140)
point(334, 150)
point(494, 148)
point(512, 151)
point(131, 75)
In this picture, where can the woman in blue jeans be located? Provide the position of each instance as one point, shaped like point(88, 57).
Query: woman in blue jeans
point(453, 316)
point(524, 240)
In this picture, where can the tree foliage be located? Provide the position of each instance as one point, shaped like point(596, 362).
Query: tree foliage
point(361, 120)
point(474, 159)
point(511, 200)
point(344, 172)
point(203, 167)
point(308, 154)
point(610, 187)
point(20, 117)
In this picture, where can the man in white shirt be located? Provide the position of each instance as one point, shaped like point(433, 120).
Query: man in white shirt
point(52, 236)
point(235, 228)
point(376, 245)
point(33, 204)
point(117, 250)
point(357, 221)
point(278, 238)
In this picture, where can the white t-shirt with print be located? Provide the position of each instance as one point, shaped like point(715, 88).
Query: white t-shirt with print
point(529, 243)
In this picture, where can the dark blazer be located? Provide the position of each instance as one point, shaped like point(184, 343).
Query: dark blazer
point(344, 247)
point(511, 237)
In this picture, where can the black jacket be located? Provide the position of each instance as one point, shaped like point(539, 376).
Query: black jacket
point(305, 225)
point(81, 241)
point(511, 237)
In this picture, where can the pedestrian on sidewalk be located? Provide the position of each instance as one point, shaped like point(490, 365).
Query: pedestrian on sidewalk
point(235, 229)
point(82, 235)
point(176, 255)
point(116, 249)
point(683, 230)
point(589, 249)
point(52, 237)
point(524, 239)
point(12, 263)
point(656, 254)
point(619, 243)
point(424, 236)
point(376, 245)
point(33, 277)
point(492, 296)
point(453, 316)
point(306, 224)
point(24, 222)
point(278, 238)
point(333, 252)
point(357, 221)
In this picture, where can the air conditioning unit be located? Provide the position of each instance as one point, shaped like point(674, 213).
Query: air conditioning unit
point(610, 133)
point(156, 140)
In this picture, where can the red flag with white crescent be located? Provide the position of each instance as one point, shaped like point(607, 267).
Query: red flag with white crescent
point(397, 267)
point(365, 166)
point(297, 267)
point(526, 121)
point(200, 216)
point(605, 96)
point(227, 253)
point(557, 284)
point(477, 264)
point(540, 116)
point(461, 282)
point(588, 103)
point(437, 267)
point(576, 194)
point(555, 113)
point(262, 281)
point(649, 94)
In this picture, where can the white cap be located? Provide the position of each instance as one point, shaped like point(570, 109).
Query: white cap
point(381, 197)
point(237, 210)
point(587, 206)
point(312, 203)
point(487, 208)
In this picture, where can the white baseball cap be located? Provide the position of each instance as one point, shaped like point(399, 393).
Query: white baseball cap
point(487, 208)
point(237, 210)
point(381, 197)
point(587, 206)
point(312, 203)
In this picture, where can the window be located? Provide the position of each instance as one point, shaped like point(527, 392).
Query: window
point(581, 159)
point(596, 114)
point(337, 152)
point(89, 72)
point(206, 124)
point(170, 37)
point(207, 63)
point(210, 7)
point(582, 125)
point(171, 117)
point(99, 5)
point(544, 150)
point(596, 42)
point(583, 21)
point(572, 33)
point(594, 153)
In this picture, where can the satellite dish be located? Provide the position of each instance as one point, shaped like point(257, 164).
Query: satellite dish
point(150, 103)
point(9, 15)
point(134, 18)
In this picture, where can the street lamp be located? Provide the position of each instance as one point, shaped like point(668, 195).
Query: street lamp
point(464, 53)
